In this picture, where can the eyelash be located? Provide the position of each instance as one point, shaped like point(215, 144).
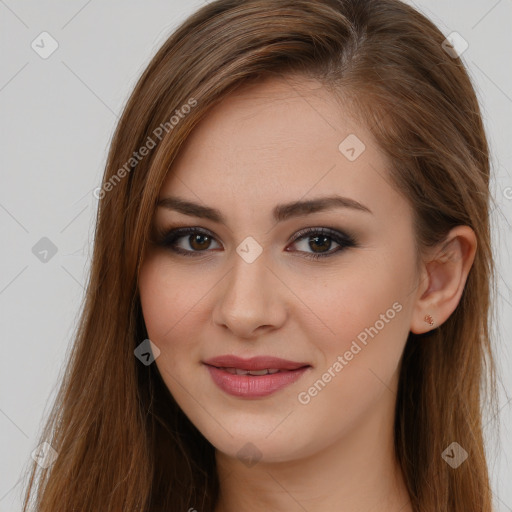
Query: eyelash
point(167, 239)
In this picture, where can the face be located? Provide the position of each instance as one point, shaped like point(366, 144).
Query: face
point(328, 289)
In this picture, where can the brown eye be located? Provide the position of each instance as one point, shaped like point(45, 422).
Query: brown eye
point(185, 241)
point(319, 241)
point(199, 242)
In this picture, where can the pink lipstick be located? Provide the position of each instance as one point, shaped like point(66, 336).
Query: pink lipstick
point(255, 377)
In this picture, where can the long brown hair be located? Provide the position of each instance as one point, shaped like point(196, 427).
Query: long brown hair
point(123, 444)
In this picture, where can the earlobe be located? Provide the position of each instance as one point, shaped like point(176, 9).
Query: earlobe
point(446, 272)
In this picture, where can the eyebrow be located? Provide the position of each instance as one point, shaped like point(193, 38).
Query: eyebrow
point(280, 213)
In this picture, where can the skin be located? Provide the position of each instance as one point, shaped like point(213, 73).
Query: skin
point(272, 143)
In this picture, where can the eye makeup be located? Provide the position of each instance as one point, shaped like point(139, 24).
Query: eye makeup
point(169, 238)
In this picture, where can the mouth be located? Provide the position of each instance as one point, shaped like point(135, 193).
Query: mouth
point(257, 363)
point(240, 371)
point(256, 377)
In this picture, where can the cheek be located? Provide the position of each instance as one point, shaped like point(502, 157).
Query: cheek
point(368, 313)
point(172, 300)
point(169, 296)
point(167, 301)
point(366, 317)
point(366, 299)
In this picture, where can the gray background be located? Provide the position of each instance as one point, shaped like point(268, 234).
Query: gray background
point(58, 116)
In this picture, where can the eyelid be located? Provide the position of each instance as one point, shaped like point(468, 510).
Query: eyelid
point(325, 230)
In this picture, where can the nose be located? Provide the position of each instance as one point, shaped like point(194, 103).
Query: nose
point(250, 301)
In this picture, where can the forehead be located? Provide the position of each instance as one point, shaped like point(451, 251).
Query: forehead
point(277, 141)
point(274, 118)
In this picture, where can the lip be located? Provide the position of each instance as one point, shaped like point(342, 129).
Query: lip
point(254, 363)
point(254, 386)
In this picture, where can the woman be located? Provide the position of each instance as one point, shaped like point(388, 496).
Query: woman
point(290, 286)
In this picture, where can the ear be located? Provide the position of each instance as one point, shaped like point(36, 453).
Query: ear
point(443, 277)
